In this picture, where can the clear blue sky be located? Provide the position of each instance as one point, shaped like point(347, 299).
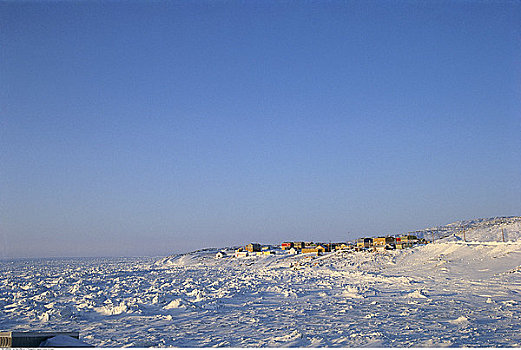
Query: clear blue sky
point(148, 128)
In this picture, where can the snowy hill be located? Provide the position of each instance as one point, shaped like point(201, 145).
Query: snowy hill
point(478, 230)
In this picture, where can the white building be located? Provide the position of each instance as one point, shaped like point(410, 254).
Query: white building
point(293, 251)
point(241, 254)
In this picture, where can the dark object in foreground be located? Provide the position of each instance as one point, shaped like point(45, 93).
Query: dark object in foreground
point(41, 339)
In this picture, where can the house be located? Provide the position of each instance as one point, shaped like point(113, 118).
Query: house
point(240, 254)
point(341, 246)
point(364, 243)
point(265, 252)
point(299, 245)
point(402, 244)
point(253, 247)
point(293, 251)
point(409, 239)
point(312, 250)
point(316, 249)
point(328, 246)
point(382, 243)
point(406, 241)
point(220, 255)
point(286, 245)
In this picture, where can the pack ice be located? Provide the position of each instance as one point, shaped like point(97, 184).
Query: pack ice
point(453, 292)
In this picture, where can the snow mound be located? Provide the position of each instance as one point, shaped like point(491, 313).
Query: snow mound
point(109, 310)
point(64, 341)
point(174, 304)
point(417, 294)
point(462, 320)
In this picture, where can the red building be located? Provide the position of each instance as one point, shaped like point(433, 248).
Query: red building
point(286, 245)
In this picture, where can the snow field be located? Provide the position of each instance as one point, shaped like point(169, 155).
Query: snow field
point(446, 294)
point(451, 293)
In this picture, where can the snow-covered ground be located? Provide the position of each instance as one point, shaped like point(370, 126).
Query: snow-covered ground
point(450, 293)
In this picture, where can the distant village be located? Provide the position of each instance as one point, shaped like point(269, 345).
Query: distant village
point(367, 244)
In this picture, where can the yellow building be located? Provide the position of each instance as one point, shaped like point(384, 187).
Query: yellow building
point(364, 243)
point(381, 243)
point(253, 247)
point(318, 249)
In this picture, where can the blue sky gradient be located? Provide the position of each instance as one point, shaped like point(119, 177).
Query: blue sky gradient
point(148, 128)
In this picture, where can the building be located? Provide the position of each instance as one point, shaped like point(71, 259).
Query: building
point(299, 245)
point(312, 250)
point(240, 254)
point(293, 251)
point(364, 243)
point(286, 245)
point(29, 339)
point(253, 247)
point(342, 246)
point(409, 239)
point(328, 246)
point(220, 255)
point(381, 243)
point(406, 241)
point(316, 249)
